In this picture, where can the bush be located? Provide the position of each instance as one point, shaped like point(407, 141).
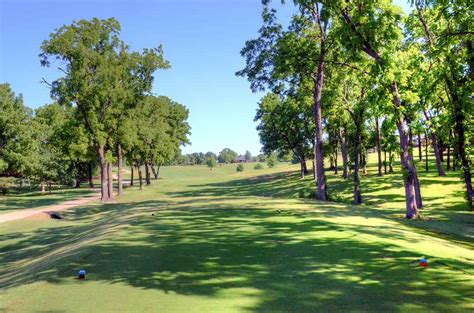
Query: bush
point(240, 168)
point(4, 191)
point(258, 166)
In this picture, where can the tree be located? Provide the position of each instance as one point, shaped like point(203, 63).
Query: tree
point(101, 80)
point(248, 156)
point(211, 160)
point(283, 127)
point(297, 57)
point(227, 156)
point(16, 138)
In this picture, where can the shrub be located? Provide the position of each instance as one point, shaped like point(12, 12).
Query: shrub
point(258, 166)
point(240, 168)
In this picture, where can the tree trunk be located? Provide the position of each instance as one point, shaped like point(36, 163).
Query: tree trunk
point(390, 161)
point(459, 126)
point(147, 173)
point(157, 174)
point(335, 156)
point(119, 170)
point(345, 158)
point(132, 175)
point(49, 187)
point(89, 175)
point(140, 176)
point(78, 183)
point(438, 154)
point(420, 153)
point(314, 170)
point(302, 170)
point(408, 169)
point(448, 157)
point(426, 152)
point(357, 195)
point(379, 150)
point(385, 162)
point(43, 188)
point(364, 162)
point(110, 179)
point(154, 171)
point(419, 200)
point(104, 195)
point(319, 155)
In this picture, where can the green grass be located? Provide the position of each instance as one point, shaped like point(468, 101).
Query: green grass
point(33, 199)
point(221, 241)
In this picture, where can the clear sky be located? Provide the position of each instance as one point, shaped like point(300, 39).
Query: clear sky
point(201, 38)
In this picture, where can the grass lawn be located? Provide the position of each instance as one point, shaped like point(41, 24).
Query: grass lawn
point(201, 240)
point(34, 199)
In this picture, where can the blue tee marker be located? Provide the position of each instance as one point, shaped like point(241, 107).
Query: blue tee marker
point(82, 274)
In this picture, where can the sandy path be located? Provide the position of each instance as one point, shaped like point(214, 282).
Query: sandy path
point(58, 207)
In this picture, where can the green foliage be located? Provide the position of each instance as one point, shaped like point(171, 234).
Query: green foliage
point(240, 168)
point(271, 160)
point(211, 160)
point(258, 166)
point(227, 156)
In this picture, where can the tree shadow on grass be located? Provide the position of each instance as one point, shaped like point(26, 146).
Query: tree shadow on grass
point(36, 199)
point(287, 261)
point(302, 266)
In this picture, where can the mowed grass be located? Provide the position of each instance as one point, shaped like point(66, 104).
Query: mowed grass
point(201, 240)
point(33, 199)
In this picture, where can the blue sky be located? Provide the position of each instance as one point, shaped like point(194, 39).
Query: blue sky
point(201, 39)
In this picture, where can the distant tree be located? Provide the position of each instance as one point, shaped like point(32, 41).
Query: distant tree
point(248, 156)
point(271, 160)
point(240, 168)
point(227, 156)
point(211, 159)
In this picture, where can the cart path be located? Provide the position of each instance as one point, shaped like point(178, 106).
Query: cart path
point(16, 215)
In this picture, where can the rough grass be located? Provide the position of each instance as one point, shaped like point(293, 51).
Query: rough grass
point(221, 241)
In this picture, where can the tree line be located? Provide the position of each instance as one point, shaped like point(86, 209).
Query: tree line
point(103, 114)
point(348, 76)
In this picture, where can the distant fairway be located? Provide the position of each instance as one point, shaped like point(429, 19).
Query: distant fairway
point(201, 240)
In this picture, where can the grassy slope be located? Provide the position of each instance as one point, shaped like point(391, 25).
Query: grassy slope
point(226, 241)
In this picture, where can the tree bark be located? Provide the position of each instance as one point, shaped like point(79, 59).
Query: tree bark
point(119, 170)
point(437, 152)
point(104, 195)
point(110, 180)
point(140, 176)
point(89, 175)
point(420, 153)
point(345, 157)
point(459, 126)
point(379, 150)
point(78, 183)
point(42, 187)
point(408, 169)
point(154, 171)
point(426, 151)
point(335, 156)
point(147, 173)
point(357, 195)
point(132, 175)
point(319, 155)
point(448, 157)
point(385, 162)
point(302, 170)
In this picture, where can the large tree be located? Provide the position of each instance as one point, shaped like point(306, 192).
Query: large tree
point(99, 77)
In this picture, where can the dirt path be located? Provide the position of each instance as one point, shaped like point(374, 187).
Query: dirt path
point(52, 208)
